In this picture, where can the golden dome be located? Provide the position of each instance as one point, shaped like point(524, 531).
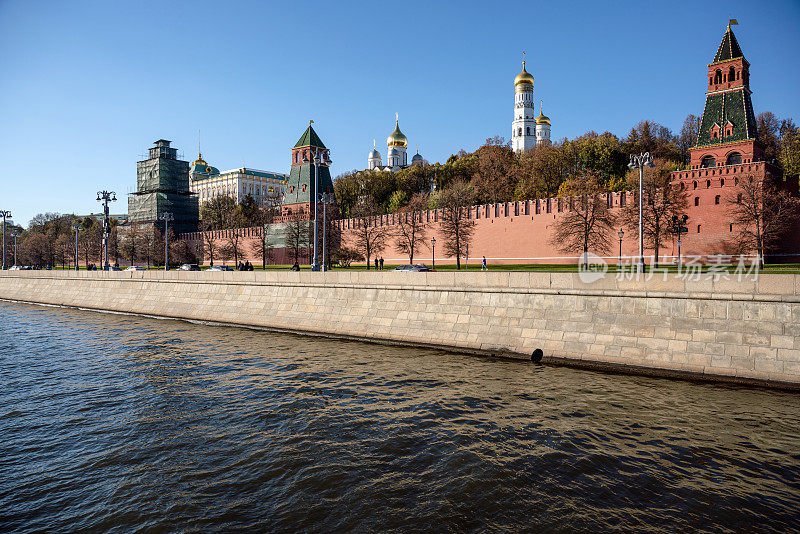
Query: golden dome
point(199, 160)
point(396, 138)
point(523, 78)
point(542, 118)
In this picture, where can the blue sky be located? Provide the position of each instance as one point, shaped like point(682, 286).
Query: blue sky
point(86, 87)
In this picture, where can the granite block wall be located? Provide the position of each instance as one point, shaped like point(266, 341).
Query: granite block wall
point(746, 330)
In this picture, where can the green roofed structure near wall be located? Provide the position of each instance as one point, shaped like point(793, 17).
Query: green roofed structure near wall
point(300, 191)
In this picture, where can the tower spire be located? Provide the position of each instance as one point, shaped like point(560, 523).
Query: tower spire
point(523, 59)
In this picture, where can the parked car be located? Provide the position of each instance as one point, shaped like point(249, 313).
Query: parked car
point(15, 268)
point(418, 268)
point(220, 268)
point(189, 267)
point(135, 268)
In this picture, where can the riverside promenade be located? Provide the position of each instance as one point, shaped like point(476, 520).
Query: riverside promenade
point(731, 330)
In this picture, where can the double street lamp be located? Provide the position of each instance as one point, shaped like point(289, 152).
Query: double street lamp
point(166, 217)
point(105, 197)
point(640, 162)
point(5, 214)
point(320, 157)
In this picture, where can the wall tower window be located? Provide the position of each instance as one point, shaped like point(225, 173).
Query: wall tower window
point(734, 158)
point(696, 201)
point(716, 199)
point(707, 162)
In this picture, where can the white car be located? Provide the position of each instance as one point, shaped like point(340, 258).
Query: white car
point(15, 268)
point(135, 268)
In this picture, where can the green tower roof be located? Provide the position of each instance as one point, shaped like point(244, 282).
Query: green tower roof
point(728, 48)
point(309, 138)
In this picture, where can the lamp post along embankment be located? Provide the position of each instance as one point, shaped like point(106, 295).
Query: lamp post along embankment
point(105, 197)
point(640, 162)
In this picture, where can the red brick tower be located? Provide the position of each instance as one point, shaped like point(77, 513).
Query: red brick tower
point(727, 151)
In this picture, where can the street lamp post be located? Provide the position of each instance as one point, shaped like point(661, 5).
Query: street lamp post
point(679, 227)
point(105, 197)
point(318, 154)
point(326, 198)
point(166, 217)
point(619, 262)
point(639, 162)
point(77, 227)
point(4, 213)
point(433, 250)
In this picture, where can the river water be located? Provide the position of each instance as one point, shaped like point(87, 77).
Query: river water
point(118, 423)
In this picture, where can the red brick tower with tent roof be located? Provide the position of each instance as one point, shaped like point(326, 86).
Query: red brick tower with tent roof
point(727, 150)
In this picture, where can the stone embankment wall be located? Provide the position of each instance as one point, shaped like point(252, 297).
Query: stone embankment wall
point(745, 330)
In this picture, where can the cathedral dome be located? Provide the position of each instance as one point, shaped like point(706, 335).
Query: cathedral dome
point(374, 154)
point(417, 158)
point(199, 166)
point(542, 118)
point(396, 138)
point(523, 78)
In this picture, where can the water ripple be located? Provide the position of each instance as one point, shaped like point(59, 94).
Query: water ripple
point(122, 424)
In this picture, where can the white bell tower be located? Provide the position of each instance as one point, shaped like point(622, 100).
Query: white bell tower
point(523, 128)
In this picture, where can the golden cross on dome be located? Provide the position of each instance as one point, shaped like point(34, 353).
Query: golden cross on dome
point(397, 118)
point(523, 59)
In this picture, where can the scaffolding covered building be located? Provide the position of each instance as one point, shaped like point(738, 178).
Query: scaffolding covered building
point(162, 186)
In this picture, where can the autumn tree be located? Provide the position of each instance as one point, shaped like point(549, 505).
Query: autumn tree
point(768, 127)
point(263, 246)
point(690, 131)
point(369, 235)
point(455, 226)
point(661, 200)
point(587, 223)
point(542, 171)
point(763, 213)
point(495, 175)
point(233, 236)
point(130, 244)
point(208, 237)
point(410, 230)
point(297, 237)
point(217, 212)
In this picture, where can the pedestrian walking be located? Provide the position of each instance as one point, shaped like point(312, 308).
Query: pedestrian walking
point(483, 264)
point(381, 263)
point(376, 264)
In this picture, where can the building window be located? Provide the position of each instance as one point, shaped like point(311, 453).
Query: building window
point(694, 185)
point(698, 228)
point(708, 184)
point(716, 199)
point(731, 227)
point(696, 201)
point(528, 130)
point(734, 158)
point(708, 161)
point(739, 198)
